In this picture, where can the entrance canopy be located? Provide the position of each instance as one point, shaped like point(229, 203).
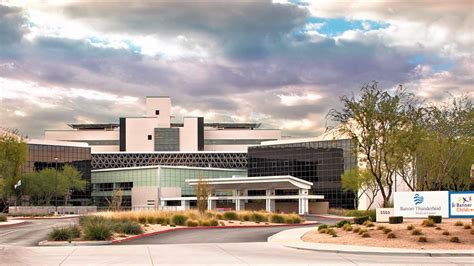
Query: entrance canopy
point(254, 183)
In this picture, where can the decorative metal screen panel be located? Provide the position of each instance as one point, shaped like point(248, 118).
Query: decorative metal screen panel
point(230, 160)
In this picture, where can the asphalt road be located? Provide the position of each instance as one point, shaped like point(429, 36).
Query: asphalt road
point(224, 235)
point(31, 233)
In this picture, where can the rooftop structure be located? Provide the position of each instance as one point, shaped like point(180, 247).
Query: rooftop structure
point(156, 132)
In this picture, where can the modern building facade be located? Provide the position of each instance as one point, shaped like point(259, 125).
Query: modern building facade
point(56, 154)
point(142, 187)
point(155, 132)
point(228, 160)
point(321, 162)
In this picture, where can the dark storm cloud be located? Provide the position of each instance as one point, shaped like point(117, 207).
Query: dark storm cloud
point(243, 29)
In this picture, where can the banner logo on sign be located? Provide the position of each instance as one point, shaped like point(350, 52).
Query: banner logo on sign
point(418, 199)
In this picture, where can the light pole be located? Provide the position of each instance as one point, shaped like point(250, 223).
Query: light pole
point(56, 185)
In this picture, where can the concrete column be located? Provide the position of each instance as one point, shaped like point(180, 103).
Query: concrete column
point(237, 200)
point(211, 204)
point(270, 203)
point(186, 204)
point(303, 204)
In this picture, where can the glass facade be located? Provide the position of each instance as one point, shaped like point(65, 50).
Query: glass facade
point(104, 182)
point(320, 162)
point(166, 139)
point(43, 156)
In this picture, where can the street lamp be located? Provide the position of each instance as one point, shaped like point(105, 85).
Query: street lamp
point(56, 185)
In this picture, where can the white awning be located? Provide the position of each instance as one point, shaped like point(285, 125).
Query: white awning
point(254, 183)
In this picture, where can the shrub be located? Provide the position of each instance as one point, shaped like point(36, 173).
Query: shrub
point(356, 213)
point(410, 227)
point(362, 231)
point(231, 216)
point(245, 217)
point(467, 226)
point(277, 218)
point(428, 223)
point(179, 219)
point(369, 224)
point(191, 223)
point(361, 220)
point(323, 231)
point(458, 223)
point(97, 231)
point(330, 231)
point(422, 239)
point(219, 216)
point(342, 223)
point(3, 217)
point(213, 222)
point(347, 227)
point(356, 229)
point(436, 218)
point(366, 234)
point(380, 227)
point(152, 220)
point(293, 219)
point(258, 217)
point(129, 228)
point(91, 219)
point(445, 233)
point(455, 239)
point(395, 219)
point(416, 232)
point(60, 234)
point(142, 219)
point(391, 235)
point(221, 223)
point(322, 226)
point(387, 230)
point(438, 228)
point(75, 231)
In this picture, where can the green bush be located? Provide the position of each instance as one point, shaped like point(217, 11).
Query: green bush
point(231, 216)
point(391, 235)
point(3, 217)
point(436, 218)
point(75, 231)
point(455, 239)
point(347, 227)
point(458, 223)
point(91, 219)
point(97, 231)
point(245, 217)
point(277, 218)
point(142, 219)
point(219, 216)
point(179, 219)
point(129, 228)
point(416, 232)
point(331, 231)
point(361, 219)
point(368, 224)
point(366, 234)
point(293, 219)
point(342, 223)
point(422, 239)
point(322, 226)
point(60, 234)
point(395, 219)
point(428, 223)
point(258, 217)
point(356, 213)
point(192, 223)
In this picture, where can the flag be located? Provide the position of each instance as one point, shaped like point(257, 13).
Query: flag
point(17, 184)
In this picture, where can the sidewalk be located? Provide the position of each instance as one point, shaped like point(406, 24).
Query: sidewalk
point(292, 238)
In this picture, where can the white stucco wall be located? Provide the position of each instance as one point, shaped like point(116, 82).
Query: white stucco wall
point(137, 131)
point(242, 134)
point(81, 135)
point(163, 104)
point(188, 140)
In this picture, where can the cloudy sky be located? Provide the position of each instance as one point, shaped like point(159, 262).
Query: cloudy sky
point(282, 63)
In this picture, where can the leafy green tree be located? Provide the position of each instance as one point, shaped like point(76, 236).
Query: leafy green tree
point(375, 121)
point(13, 155)
point(73, 181)
point(361, 182)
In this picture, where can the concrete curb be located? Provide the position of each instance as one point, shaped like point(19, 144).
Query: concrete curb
point(46, 243)
point(292, 238)
point(20, 222)
point(204, 227)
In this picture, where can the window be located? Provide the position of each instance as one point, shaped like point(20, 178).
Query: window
point(149, 137)
point(157, 112)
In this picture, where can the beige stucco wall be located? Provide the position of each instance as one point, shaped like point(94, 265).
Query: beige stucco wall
point(163, 104)
point(188, 140)
point(80, 135)
point(137, 131)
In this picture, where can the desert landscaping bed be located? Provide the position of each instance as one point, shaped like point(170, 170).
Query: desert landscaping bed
point(116, 226)
point(409, 234)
